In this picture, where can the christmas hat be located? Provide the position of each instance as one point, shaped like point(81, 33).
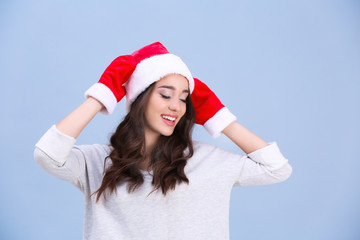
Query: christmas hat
point(131, 74)
point(153, 62)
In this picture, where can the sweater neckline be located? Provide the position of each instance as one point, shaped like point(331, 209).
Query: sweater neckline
point(146, 173)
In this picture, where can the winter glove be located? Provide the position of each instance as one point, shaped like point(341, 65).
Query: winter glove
point(109, 90)
point(210, 112)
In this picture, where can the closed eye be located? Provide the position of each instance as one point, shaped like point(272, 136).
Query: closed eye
point(164, 96)
point(168, 97)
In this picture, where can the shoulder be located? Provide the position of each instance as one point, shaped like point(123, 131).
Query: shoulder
point(212, 161)
point(201, 145)
point(204, 150)
point(93, 151)
point(94, 148)
point(94, 156)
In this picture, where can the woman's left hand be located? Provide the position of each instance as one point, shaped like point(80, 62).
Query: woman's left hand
point(210, 112)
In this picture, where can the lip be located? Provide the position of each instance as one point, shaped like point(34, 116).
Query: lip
point(167, 122)
point(170, 115)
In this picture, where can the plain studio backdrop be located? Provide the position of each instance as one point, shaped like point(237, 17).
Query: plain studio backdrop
point(289, 70)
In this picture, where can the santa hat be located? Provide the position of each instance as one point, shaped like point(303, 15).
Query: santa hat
point(153, 62)
point(137, 71)
point(130, 75)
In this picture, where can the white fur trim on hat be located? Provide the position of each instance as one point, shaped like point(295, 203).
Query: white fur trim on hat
point(219, 122)
point(153, 69)
point(103, 94)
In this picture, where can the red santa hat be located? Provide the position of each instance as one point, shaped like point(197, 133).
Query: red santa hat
point(153, 62)
point(137, 71)
point(130, 75)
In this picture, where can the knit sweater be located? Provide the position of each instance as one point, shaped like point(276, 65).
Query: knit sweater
point(198, 210)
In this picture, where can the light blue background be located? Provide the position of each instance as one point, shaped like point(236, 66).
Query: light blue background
point(289, 70)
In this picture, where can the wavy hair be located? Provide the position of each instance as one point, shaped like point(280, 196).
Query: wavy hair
point(167, 160)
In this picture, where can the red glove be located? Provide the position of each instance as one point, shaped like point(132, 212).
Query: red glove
point(210, 112)
point(109, 90)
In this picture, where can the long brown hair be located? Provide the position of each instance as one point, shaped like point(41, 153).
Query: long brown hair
point(168, 158)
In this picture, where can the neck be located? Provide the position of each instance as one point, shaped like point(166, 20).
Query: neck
point(150, 142)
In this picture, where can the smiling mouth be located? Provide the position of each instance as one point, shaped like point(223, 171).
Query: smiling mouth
point(166, 117)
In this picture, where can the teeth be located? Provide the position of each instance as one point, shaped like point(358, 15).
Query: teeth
point(168, 118)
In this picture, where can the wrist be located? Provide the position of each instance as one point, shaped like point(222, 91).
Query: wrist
point(95, 104)
point(104, 95)
point(219, 121)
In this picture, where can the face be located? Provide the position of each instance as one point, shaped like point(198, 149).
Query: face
point(166, 105)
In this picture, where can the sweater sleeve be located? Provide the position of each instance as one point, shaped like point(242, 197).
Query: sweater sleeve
point(263, 166)
point(57, 154)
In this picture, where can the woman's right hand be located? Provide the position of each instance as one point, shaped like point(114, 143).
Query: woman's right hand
point(109, 90)
point(102, 96)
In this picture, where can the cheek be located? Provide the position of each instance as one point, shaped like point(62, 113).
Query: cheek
point(153, 105)
point(183, 110)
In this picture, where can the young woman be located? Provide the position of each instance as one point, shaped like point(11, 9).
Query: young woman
point(152, 181)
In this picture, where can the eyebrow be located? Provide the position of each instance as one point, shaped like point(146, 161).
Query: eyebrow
point(172, 88)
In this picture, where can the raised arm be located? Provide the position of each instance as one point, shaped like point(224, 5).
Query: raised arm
point(102, 96)
point(216, 119)
point(244, 138)
point(264, 163)
point(77, 120)
point(56, 151)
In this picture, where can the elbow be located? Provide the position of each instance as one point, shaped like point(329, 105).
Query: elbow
point(284, 173)
point(40, 157)
point(44, 160)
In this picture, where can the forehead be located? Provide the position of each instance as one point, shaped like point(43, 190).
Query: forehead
point(175, 80)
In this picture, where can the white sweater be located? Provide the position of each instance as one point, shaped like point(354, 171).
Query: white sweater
point(196, 211)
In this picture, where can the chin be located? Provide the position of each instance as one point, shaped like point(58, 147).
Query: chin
point(167, 131)
point(167, 134)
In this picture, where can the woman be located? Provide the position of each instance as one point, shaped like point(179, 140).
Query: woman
point(152, 181)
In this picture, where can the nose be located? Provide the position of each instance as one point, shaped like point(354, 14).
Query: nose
point(175, 105)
